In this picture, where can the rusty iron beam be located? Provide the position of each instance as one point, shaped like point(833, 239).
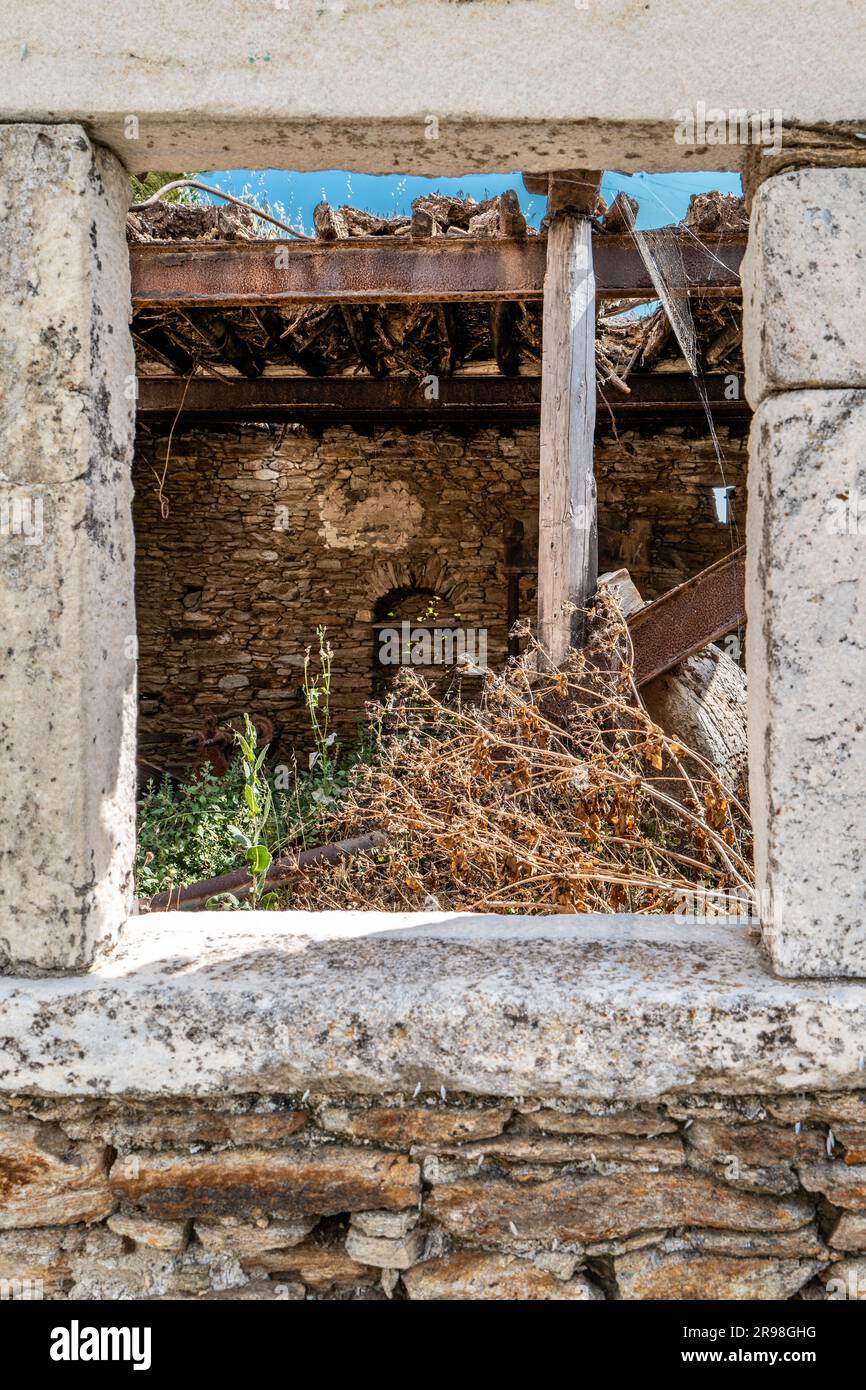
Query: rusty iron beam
point(208, 399)
point(689, 617)
point(385, 270)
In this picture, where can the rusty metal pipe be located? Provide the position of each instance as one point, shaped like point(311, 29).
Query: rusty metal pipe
point(239, 881)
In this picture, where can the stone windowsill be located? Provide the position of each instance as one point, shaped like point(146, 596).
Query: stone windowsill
point(619, 1007)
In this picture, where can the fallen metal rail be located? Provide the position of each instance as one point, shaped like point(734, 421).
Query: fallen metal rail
point(689, 617)
point(239, 881)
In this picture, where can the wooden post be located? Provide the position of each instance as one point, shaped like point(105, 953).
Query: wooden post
point(567, 523)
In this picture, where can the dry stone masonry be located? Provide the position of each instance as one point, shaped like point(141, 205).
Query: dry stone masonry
point(420, 1197)
point(271, 532)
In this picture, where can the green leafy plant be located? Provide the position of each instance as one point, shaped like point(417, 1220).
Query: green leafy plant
point(259, 801)
point(211, 825)
point(183, 831)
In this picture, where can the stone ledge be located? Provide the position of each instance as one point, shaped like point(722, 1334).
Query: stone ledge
point(582, 1007)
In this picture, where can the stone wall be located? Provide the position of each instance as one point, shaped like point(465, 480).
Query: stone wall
point(433, 1198)
point(265, 533)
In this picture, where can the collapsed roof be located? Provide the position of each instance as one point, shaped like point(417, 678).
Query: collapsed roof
point(417, 339)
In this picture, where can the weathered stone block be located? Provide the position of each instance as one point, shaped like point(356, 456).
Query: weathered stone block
point(649, 1122)
point(322, 1268)
point(841, 1185)
point(246, 1241)
point(802, 1243)
point(829, 1107)
point(853, 1141)
point(46, 1179)
point(401, 1252)
point(174, 1129)
point(846, 1281)
point(806, 592)
point(261, 1182)
point(755, 1157)
point(665, 1152)
point(386, 1224)
point(171, 1236)
point(648, 1274)
point(469, 1274)
point(849, 1231)
point(804, 283)
point(584, 1209)
point(67, 700)
point(407, 1125)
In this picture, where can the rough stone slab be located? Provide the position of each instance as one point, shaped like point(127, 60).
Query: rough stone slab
point(802, 1243)
point(646, 1274)
point(841, 1185)
point(806, 654)
point(414, 1124)
point(665, 1152)
point(846, 1280)
point(804, 283)
point(171, 1236)
point(853, 1141)
point(178, 1129)
point(469, 1274)
point(47, 1180)
point(754, 1144)
point(849, 1232)
point(646, 1122)
point(384, 1252)
point(388, 1225)
point(839, 1108)
point(500, 1213)
point(259, 1182)
point(67, 697)
point(245, 1241)
point(321, 1267)
point(588, 1007)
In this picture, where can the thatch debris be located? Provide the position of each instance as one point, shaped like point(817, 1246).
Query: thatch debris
point(417, 339)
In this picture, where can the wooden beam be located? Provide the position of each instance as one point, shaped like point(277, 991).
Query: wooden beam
point(394, 270)
point(669, 395)
point(567, 519)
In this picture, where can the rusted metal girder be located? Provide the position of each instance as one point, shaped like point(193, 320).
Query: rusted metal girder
point(689, 617)
point(289, 398)
point(385, 270)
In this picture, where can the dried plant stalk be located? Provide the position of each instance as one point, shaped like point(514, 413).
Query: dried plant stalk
point(555, 792)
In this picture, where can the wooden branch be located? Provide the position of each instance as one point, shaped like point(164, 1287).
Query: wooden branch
point(355, 319)
point(222, 336)
point(730, 337)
